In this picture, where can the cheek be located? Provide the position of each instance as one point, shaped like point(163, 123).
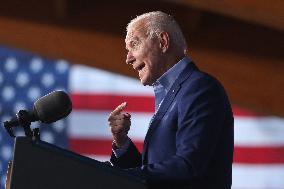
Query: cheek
point(143, 55)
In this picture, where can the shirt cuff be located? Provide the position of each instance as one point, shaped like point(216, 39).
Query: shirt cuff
point(118, 152)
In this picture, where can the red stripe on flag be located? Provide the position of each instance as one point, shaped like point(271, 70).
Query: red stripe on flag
point(95, 146)
point(110, 101)
point(259, 155)
point(135, 103)
point(245, 155)
point(237, 111)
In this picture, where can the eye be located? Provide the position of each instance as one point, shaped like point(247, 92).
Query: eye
point(135, 44)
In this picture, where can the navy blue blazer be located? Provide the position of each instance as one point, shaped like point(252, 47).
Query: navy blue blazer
point(190, 139)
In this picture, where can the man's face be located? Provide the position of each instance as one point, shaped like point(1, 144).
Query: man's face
point(145, 55)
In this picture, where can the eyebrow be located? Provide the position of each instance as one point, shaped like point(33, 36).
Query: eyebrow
point(130, 41)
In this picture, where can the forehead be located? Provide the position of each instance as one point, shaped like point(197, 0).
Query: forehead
point(136, 32)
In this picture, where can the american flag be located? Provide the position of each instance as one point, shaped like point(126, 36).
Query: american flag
point(24, 77)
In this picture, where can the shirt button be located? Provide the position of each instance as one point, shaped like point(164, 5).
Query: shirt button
point(173, 91)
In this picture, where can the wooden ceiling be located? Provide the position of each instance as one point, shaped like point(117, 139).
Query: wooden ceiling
point(240, 42)
point(262, 12)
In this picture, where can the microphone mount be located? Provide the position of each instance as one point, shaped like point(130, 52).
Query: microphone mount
point(24, 120)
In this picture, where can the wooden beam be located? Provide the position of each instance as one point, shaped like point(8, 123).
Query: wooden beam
point(252, 80)
point(267, 13)
point(92, 48)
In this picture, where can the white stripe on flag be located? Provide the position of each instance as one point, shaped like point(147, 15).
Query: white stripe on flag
point(94, 124)
point(259, 131)
point(85, 80)
point(247, 176)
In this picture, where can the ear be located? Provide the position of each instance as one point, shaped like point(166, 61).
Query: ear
point(164, 41)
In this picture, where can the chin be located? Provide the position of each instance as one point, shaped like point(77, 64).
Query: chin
point(146, 81)
point(143, 82)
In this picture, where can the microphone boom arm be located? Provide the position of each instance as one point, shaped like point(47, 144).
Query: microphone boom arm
point(24, 120)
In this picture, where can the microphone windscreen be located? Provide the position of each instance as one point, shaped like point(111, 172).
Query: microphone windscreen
point(52, 107)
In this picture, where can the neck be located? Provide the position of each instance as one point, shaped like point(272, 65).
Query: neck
point(174, 59)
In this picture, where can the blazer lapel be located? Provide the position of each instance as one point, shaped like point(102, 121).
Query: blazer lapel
point(166, 104)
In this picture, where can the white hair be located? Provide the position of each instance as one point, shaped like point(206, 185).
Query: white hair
point(157, 22)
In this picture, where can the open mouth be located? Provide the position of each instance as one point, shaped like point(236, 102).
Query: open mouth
point(139, 67)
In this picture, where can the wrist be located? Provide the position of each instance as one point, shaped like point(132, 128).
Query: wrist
point(119, 143)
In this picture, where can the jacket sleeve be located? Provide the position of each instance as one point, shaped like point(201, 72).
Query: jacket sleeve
point(131, 158)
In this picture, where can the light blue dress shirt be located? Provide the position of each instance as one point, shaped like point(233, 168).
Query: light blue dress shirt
point(165, 82)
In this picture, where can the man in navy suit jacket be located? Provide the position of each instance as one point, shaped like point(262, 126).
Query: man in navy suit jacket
point(190, 137)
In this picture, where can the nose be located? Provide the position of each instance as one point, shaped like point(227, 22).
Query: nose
point(130, 58)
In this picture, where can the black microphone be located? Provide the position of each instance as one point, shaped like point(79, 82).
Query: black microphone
point(47, 109)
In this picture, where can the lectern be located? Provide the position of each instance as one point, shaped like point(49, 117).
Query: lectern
point(40, 165)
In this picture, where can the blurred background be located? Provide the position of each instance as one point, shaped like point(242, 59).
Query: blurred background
point(78, 46)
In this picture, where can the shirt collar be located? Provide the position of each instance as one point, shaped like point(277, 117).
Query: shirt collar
point(168, 78)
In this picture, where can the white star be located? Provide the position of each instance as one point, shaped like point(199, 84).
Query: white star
point(11, 64)
point(6, 152)
point(61, 66)
point(47, 137)
point(33, 93)
point(59, 126)
point(8, 93)
point(19, 106)
point(1, 78)
point(36, 64)
point(47, 79)
point(22, 79)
